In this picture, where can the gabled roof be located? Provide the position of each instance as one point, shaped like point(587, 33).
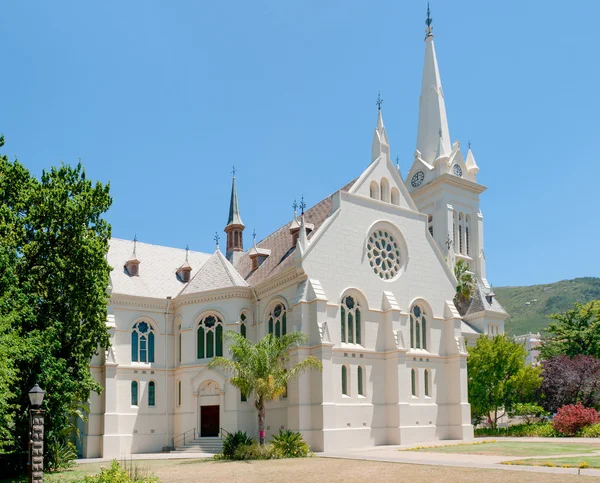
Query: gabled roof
point(480, 302)
point(280, 244)
point(158, 266)
point(216, 273)
point(468, 329)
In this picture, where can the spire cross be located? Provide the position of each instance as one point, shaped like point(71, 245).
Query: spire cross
point(428, 22)
point(469, 144)
point(187, 249)
point(295, 206)
point(233, 171)
point(254, 236)
point(302, 204)
point(379, 101)
point(134, 242)
point(216, 238)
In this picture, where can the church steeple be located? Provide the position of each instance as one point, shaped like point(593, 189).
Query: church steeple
point(235, 226)
point(432, 108)
point(380, 145)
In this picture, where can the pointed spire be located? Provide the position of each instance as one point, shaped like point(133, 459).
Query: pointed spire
point(380, 143)
point(234, 210)
point(470, 162)
point(432, 108)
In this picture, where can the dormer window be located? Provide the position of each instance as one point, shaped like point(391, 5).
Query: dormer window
point(258, 256)
point(132, 267)
point(184, 272)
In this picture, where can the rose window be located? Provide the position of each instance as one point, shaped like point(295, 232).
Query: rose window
point(384, 254)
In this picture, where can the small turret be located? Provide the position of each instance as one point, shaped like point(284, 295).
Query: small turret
point(235, 226)
point(132, 266)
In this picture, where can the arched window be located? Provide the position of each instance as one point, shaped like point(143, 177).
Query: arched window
point(179, 342)
point(418, 328)
point(374, 190)
point(134, 393)
point(351, 328)
point(152, 394)
point(427, 382)
point(243, 325)
point(209, 337)
point(430, 224)
point(360, 380)
point(454, 236)
point(460, 233)
point(142, 342)
point(385, 190)
point(344, 380)
point(413, 382)
point(278, 320)
point(467, 234)
point(179, 393)
point(395, 196)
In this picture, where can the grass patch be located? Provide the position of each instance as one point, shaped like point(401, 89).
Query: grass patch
point(512, 448)
point(567, 462)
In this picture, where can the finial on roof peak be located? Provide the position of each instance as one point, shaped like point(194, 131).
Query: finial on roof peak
point(233, 171)
point(302, 205)
point(379, 101)
point(187, 250)
point(295, 206)
point(428, 22)
point(469, 144)
point(254, 236)
point(216, 238)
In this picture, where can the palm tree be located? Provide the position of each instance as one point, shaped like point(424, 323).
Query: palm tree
point(261, 368)
point(465, 287)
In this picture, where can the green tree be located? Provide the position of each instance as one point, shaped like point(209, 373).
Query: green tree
point(53, 280)
point(465, 286)
point(262, 368)
point(499, 377)
point(574, 332)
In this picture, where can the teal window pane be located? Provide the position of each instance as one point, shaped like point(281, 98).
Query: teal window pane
point(277, 329)
point(134, 393)
point(413, 380)
point(151, 347)
point(358, 328)
point(344, 381)
point(143, 349)
point(243, 330)
point(424, 322)
point(151, 393)
point(200, 342)
point(219, 341)
point(343, 325)
point(179, 346)
point(283, 324)
point(134, 346)
point(360, 381)
point(350, 328)
point(426, 380)
point(412, 333)
point(271, 325)
point(418, 333)
point(210, 344)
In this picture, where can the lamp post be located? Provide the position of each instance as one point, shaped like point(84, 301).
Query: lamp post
point(36, 435)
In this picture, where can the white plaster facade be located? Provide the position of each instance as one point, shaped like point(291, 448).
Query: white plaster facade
point(409, 391)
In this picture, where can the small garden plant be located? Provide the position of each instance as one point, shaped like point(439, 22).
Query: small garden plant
point(573, 418)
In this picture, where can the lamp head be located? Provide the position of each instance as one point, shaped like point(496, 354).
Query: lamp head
point(36, 396)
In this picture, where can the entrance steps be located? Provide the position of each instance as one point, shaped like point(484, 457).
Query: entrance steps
point(200, 445)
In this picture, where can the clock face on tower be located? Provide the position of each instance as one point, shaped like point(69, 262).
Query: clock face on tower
point(417, 179)
point(457, 170)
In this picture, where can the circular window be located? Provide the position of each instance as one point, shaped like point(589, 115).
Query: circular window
point(383, 252)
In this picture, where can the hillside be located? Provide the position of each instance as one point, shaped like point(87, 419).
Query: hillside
point(529, 306)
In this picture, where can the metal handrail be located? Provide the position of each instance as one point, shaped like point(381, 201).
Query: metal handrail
point(227, 433)
point(183, 436)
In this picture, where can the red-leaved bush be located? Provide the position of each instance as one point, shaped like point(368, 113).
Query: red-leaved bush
point(570, 419)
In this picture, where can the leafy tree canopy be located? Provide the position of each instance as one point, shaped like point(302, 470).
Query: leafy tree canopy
point(499, 377)
point(263, 369)
point(574, 332)
point(53, 280)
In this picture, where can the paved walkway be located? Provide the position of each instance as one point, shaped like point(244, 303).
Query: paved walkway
point(150, 456)
point(392, 454)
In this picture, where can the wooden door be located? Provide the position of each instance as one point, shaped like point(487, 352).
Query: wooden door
point(209, 421)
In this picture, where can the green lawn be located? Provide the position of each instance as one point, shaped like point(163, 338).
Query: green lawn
point(512, 448)
point(572, 462)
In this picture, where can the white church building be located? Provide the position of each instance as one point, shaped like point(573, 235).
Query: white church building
point(366, 274)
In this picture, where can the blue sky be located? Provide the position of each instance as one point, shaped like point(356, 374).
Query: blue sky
point(162, 98)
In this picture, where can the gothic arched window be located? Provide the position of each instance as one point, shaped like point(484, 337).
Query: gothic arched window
point(344, 380)
point(243, 327)
point(460, 233)
point(374, 190)
point(413, 382)
point(134, 393)
point(152, 394)
point(142, 342)
point(209, 337)
point(351, 329)
point(277, 320)
point(427, 382)
point(360, 380)
point(467, 234)
point(418, 328)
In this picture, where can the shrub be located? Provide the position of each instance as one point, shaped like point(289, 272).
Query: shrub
point(571, 419)
point(290, 444)
point(233, 441)
point(116, 474)
point(254, 451)
point(60, 455)
point(529, 412)
point(540, 430)
point(592, 431)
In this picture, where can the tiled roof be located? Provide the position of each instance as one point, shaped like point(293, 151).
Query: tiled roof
point(158, 266)
point(216, 273)
point(479, 302)
point(280, 244)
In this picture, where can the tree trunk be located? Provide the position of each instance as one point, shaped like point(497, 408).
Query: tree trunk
point(261, 422)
